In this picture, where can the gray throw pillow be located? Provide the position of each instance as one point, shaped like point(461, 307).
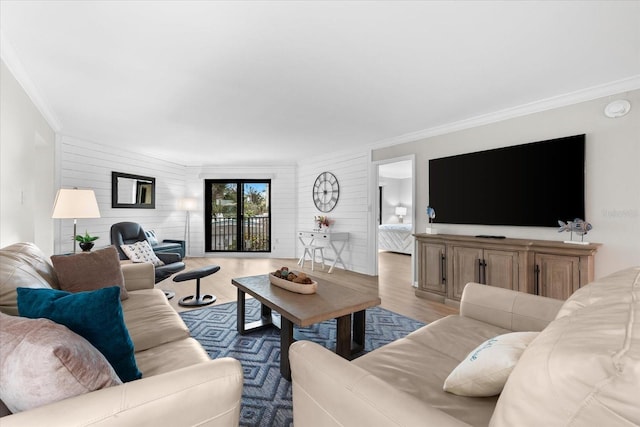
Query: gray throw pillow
point(89, 271)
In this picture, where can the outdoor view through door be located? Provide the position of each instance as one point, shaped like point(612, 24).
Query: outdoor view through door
point(238, 214)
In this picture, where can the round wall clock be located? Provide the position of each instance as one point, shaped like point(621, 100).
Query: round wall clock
point(326, 191)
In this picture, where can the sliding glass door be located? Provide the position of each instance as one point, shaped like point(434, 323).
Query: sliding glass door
point(237, 215)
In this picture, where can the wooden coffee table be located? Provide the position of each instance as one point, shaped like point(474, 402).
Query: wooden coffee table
point(331, 301)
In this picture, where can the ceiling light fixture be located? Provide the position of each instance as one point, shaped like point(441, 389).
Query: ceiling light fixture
point(617, 108)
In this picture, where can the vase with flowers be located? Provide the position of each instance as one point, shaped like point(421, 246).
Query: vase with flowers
point(322, 222)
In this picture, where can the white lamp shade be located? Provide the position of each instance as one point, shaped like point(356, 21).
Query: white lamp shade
point(74, 203)
point(188, 204)
point(401, 211)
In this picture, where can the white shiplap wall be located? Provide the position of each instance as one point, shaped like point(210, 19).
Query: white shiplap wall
point(85, 164)
point(353, 211)
point(283, 205)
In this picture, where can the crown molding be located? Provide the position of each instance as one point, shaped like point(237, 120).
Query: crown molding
point(13, 63)
point(583, 95)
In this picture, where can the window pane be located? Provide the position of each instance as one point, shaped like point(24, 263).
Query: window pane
point(224, 211)
point(256, 216)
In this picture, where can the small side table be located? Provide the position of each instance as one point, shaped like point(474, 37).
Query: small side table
point(197, 300)
point(311, 238)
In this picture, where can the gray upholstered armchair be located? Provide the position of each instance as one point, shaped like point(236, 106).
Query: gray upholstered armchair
point(126, 233)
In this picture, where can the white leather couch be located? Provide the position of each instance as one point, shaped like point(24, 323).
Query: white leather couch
point(582, 369)
point(180, 385)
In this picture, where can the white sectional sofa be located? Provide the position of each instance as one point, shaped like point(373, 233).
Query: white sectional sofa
point(180, 385)
point(582, 369)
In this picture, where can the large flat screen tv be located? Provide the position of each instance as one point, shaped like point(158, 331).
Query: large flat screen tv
point(533, 184)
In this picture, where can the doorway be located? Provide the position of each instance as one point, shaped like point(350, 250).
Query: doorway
point(395, 216)
point(238, 215)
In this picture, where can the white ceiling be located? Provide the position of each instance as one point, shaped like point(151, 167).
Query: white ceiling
point(204, 82)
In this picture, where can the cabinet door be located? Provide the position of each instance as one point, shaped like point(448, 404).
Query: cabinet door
point(465, 269)
point(431, 276)
point(501, 269)
point(557, 276)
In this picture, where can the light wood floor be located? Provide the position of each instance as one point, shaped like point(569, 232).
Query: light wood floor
point(393, 284)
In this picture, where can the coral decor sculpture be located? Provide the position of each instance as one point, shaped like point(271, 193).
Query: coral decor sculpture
point(431, 214)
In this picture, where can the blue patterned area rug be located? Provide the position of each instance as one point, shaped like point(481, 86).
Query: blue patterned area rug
point(266, 398)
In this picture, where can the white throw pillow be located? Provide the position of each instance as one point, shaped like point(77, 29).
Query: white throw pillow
point(141, 252)
point(485, 370)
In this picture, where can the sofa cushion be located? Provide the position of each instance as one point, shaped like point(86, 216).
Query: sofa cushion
point(22, 265)
point(88, 271)
point(611, 289)
point(31, 255)
point(419, 364)
point(141, 252)
point(171, 356)
point(485, 370)
point(150, 320)
point(42, 362)
point(95, 315)
point(583, 369)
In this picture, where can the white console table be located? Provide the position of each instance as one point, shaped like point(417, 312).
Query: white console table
point(330, 239)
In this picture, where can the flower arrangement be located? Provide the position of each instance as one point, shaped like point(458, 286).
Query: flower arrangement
point(322, 221)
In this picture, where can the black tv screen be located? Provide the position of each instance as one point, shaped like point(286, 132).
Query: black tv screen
point(533, 184)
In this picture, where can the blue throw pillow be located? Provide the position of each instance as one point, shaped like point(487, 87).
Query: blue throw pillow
point(151, 237)
point(94, 315)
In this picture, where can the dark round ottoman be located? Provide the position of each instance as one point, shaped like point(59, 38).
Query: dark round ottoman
point(197, 300)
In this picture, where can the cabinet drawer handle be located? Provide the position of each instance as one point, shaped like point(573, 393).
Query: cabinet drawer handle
point(484, 272)
point(443, 266)
point(536, 280)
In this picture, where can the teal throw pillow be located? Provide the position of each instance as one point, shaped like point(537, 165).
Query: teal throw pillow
point(94, 315)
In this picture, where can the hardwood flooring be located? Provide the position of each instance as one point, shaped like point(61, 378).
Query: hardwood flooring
point(393, 284)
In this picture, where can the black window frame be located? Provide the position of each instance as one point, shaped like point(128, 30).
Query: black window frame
point(239, 214)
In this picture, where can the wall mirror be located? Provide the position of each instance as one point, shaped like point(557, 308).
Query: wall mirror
point(132, 191)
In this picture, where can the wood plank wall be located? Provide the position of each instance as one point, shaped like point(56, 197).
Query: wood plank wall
point(283, 204)
point(88, 165)
point(351, 214)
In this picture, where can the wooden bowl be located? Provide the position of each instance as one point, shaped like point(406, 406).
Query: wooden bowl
point(299, 288)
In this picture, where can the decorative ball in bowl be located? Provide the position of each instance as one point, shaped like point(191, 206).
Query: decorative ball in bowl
point(292, 281)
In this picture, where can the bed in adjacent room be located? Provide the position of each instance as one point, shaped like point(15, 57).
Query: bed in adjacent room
point(395, 238)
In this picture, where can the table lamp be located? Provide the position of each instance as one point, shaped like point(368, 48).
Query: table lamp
point(74, 203)
point(401, 211)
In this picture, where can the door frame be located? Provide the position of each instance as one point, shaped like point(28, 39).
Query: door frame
point(374, 196)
